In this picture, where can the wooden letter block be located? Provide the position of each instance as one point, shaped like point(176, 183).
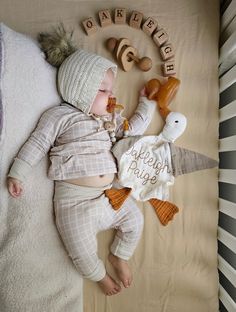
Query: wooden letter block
point(167, 52)
point(120, 16)
point(136, 19)
point(105, 18)
point(160, 37)
point(149, 26)
point(90, 26)
point(168, 68)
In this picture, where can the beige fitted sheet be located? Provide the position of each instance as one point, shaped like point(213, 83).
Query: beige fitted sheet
point(174, 267)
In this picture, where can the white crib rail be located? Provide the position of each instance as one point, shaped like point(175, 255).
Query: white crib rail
point(227, 154)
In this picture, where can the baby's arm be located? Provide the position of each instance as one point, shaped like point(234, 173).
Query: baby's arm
point(32, 151)
point(142, 117)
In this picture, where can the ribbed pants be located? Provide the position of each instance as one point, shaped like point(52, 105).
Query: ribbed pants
point(81, 212)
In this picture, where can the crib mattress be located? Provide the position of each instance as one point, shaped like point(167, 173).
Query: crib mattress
point(174, 267)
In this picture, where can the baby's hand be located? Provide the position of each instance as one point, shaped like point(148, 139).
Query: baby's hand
point(14, 187)
point(143, 92)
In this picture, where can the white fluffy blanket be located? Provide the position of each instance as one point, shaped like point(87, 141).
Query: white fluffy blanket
point(36, 273)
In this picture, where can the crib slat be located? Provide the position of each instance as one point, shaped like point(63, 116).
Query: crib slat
point(227, 300)
point(227, 54)
point(228, 111)
point(228, 31)
point(227, 207)
point(227, 144)
point(227, 270)
point(228, 79)
point(227, 239)
point(227, 176)
point(228, 15)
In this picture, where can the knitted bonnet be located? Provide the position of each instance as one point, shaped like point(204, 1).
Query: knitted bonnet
point(80, 73)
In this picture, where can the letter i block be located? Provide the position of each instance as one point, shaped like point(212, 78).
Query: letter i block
point(120, 16)
point(168, 68)
point(105, 18)
point(90, 26)
point(167, 52)
point(149, 26)
point(136, 19)
point(160, 37)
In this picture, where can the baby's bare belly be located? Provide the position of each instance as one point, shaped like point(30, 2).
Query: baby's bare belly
point(95, 181)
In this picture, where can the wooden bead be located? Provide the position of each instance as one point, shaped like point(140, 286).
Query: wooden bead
point(149, 26)
point(160, 37)
point(145, 63)
point(105, 18)
point(90, 26)
point(120, 16)
point(111, 44)
point(167, 52)
point(136, 19)
point(168, 68)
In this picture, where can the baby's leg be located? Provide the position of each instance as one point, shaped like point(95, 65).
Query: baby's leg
point(128, 221)
point(77, 224)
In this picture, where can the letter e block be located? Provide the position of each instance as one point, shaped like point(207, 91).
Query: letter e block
point(90, 26)
point(168, 68)
point(160, 37)
point(105, 18)
point(149, 26)
point(136, 19)
point(167, 52)
point(120, 16)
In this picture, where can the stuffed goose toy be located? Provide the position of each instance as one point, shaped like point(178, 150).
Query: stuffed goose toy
point(148, 165)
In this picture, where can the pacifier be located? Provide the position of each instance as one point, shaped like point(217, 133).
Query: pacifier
point(112, 105)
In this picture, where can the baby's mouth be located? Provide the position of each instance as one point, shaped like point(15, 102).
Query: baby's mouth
point(112, 106)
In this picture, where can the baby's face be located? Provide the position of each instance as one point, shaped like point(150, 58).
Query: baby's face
point(99, 106)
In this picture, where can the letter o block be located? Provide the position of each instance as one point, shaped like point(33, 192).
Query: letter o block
point(90, 26)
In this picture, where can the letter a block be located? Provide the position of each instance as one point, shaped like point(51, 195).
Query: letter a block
point(149, 26)
point(105, 18)
point(136, 19)
point(90, 26)
point(120, 16)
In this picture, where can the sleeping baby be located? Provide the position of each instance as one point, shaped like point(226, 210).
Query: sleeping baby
point(77, 135)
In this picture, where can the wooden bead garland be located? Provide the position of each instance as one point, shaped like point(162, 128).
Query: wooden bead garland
point(150, 27)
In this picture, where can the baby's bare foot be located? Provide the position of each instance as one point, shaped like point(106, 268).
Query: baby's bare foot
point(109, 286)
point(122, 270)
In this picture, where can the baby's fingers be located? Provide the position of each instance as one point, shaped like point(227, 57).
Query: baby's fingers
point(15, 189)
point(143, 92)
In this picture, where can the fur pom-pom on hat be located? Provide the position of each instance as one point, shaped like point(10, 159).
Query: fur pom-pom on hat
point(57, 45)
